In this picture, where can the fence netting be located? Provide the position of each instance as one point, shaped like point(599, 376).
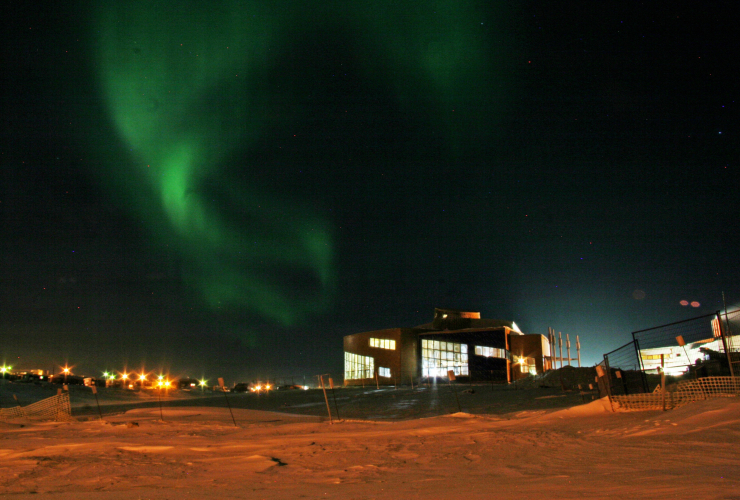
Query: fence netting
point(54, 408)
point(685, 392)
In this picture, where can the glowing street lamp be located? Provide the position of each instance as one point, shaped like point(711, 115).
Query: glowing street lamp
point(4, 369)
point(203, 385)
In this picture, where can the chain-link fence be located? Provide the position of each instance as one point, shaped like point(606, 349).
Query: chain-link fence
point(696, 347)
point(686, 355)
point(731, 329)
point(624, 371)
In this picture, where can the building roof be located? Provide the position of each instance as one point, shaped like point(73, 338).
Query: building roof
point(481, 329)
point(453, 320)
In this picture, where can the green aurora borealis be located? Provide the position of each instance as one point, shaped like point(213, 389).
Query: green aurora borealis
point(184, 84)
point(231, 187)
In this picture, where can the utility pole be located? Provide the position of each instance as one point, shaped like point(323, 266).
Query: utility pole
point(560, 343)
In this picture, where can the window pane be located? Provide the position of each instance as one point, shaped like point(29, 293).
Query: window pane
point(393, 345)
point(464, 348)
point(457, 347)
point(436, 344)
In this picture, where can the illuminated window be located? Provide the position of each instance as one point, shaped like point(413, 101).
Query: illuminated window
point(358, 367)
point(657, 356)
point(492, 352)
point(437, 357)
point(527, 365)
point(384, 372)
point(383, 343)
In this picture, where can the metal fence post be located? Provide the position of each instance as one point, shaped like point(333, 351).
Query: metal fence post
point(639, 361)
point(724, 343)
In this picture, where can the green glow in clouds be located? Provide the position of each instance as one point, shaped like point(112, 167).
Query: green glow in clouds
point(184, 85)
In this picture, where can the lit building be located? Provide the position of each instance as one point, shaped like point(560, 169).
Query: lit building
point(472, 347)
point(676, 360)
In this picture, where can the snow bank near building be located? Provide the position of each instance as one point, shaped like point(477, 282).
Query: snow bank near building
point(198, 453)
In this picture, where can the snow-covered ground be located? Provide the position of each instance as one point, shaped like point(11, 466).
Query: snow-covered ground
point(197, 453)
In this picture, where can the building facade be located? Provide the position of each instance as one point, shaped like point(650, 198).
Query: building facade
point(459, 341)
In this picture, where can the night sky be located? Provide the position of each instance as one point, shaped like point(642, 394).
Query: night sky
point(229, 188)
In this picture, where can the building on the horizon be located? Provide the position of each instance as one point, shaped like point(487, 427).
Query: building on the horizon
point(678, 359)
point(472, 347)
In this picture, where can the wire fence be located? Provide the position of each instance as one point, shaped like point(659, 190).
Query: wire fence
point(682, 361)
point(731, 321)
point(701, 346)
point(433, 397)
point(624, 371)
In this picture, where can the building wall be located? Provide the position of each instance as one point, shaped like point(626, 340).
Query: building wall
point(406, 360)
point(532, 345)
point(359, 343)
